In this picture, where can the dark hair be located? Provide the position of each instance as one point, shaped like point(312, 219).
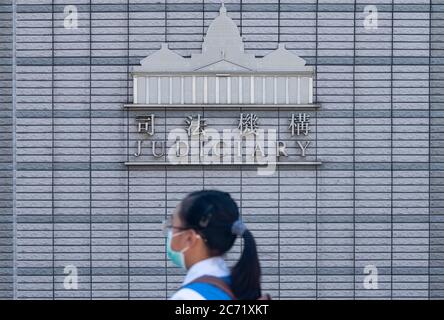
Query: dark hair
point(212, 214)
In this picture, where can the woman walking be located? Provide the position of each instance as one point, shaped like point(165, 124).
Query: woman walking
point(202, 229)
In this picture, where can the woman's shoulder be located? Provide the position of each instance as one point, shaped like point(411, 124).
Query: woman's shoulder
point(187, 294)
point(204, 289)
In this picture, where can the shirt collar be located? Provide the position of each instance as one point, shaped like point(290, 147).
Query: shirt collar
point(214, 266)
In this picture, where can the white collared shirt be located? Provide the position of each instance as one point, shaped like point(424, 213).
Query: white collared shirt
point(214, 266)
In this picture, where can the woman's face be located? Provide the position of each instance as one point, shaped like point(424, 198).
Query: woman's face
point(180, 235)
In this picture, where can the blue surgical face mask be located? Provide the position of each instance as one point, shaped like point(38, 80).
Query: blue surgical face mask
point(176, 257)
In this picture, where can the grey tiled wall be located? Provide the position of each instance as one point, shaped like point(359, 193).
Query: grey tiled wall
point(6, 160)
point(436, 153)
point(376, 199)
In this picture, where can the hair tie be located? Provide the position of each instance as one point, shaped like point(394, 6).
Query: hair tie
point(238, 228)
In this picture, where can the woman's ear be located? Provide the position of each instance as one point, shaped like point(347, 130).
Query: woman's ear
point(192, 238)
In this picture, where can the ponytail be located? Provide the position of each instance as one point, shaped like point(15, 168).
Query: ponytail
point(246, 273)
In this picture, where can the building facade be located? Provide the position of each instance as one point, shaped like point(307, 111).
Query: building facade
point(358, 216)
